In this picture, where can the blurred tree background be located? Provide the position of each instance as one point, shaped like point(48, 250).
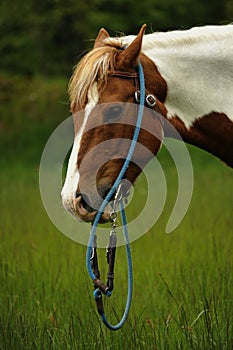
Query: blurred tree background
point(47, 37)
point(41, 41)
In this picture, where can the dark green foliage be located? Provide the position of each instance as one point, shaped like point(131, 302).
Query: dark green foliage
point(30, 109)
point(49, 36)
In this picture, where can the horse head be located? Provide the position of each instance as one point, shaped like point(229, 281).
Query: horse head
point(104, 108)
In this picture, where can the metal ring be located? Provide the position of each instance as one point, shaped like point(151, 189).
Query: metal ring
point(137, 96)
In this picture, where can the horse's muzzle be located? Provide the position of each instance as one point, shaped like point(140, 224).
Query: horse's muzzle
point(85, 212)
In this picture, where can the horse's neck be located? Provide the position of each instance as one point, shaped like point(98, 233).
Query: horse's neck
point(197, 66)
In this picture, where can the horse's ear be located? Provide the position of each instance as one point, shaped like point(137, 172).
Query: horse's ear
point(103, 34)
point(128, 58)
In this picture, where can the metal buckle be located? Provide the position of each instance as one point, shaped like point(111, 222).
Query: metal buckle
point(150, 100)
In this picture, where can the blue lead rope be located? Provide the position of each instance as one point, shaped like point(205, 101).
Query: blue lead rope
point(130, 276)
point(122, 211)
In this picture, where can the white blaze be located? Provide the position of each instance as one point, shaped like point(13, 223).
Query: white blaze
point(72, 176)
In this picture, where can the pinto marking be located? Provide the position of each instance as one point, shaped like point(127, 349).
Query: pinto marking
point(197, 66)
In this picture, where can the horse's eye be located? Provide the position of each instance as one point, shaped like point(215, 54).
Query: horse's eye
point(112, 114)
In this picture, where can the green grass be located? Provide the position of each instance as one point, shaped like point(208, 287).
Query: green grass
point(183, 281)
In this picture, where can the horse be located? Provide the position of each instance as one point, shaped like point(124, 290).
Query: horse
point(188, 81)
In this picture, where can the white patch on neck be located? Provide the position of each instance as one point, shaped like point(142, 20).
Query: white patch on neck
point(197, 66)
point(197, 85)
point(72, 176)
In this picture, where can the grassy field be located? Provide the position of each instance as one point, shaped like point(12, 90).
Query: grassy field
point(183, 282)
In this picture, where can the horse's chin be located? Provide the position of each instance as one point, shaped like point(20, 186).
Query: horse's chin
point(90, 217)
